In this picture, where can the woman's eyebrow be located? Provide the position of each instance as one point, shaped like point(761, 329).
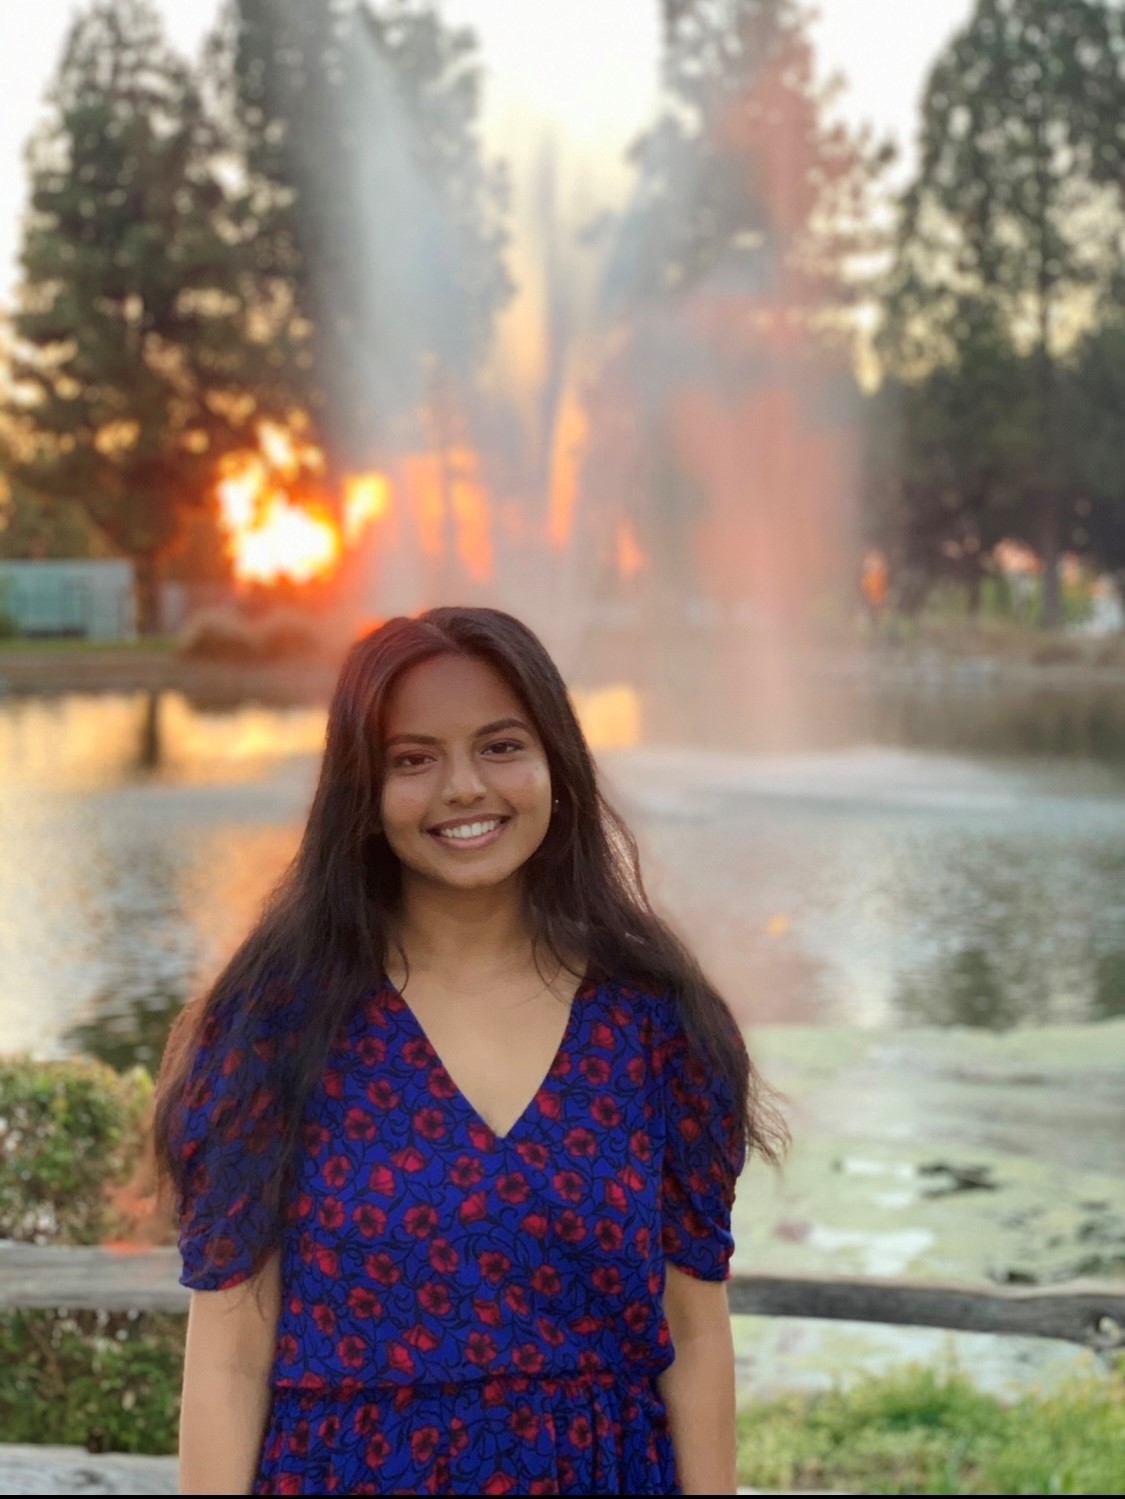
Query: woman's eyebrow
point(489, 728)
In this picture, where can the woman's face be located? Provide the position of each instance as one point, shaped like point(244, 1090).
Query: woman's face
point(459, 750)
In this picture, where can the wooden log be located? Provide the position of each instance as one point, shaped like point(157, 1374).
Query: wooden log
point(1091, 1313)
point(1088, 1312)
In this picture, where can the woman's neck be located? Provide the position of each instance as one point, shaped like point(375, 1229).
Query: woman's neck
point(462, 935)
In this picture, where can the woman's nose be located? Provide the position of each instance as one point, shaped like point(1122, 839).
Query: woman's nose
point(464, 782)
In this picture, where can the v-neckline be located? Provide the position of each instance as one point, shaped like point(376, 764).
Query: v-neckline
point(466, 1103)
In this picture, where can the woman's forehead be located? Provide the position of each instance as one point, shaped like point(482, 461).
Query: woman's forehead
point(457, 693)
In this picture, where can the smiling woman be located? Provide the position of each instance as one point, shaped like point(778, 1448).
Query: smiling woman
point(465, 1116)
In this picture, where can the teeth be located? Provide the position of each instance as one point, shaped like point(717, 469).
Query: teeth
point(469, 830)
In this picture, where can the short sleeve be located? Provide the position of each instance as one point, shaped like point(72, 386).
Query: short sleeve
point(704, 1153)
point(228, 1138)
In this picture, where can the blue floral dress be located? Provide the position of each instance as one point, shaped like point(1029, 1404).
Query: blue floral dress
point(461, 1312)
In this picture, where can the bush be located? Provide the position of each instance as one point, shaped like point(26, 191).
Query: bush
point(69, 1132)
point(226, 635)
point(89, 1379)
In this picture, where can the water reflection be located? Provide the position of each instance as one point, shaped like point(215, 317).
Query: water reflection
point(140, 834)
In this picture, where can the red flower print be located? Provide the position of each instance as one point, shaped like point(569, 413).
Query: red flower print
point(420, 1221)
point(608, 1234)
point(641, 1241)
point(327, 1261)
point(363, 1301)
point(430, 1123)
point(316, 1138)
point(640, 1144)
point(421, 1337)
point(296, 1306)
point(595, 1070)
point(444, 1257)
point(495, 1392)
point(580, 1433)
point(569, 1185)
point(585, 1325)
point(546, 1280)
point(615, 1198)
point(423, 1444)
point(351, 1351)
point(637, 1316)
point(409, 1158)
point(548, 1104)
point(288, 1348)
point(304, 1205)
point(324, 1318)
point(570, 1226)
point(480, 1347)
point(369, 1219)
point(498, 1483)
point(602, 1036)
point(512, 1187)
point(636, 1071)
point(534, 1224)
point(331, 1213)
point(550, 1332)
point(494, 1265)
point(560, 1067)
point(441, 1084)
point(481, 1136)
point(372, 1051)
point(333, 1083)
point(533, 1154)
point(400, 1358)
point(382, 1180)
point(474, 1208)
point(378, 1450)
point(366, 1419)
point(358, 1124)
point(382, 1268)
point(465, 1172)
point(288, 1483)
point(222, 1250)
point(487, 1311)
point(528, 1358)
point(299, 1439)
point(516, 1299)
point(580, 1141)
point(605, 1111)
point(231, 1062)
point(382, 1093)
point(434, 1298)
point(524, 1423)
point(690, 1129)
point(630, 1177)
point(416, 1053)
point(328, 1430)
point(458, 1436)
point(696, 1225)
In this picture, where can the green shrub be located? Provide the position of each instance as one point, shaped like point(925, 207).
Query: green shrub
point(89, 1379)
point(69, 1130)
point(923, 1431)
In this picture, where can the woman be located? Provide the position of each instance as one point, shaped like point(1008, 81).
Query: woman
point(455, 1134)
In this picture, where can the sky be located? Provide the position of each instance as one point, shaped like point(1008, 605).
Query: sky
point(585, 72)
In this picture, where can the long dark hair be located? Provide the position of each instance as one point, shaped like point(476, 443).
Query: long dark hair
point(327, 918)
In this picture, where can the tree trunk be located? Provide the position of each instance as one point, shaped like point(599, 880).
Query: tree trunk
point(147, 566)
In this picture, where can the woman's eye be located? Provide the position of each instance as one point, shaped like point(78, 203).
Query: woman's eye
point(402, 760)
point(506, 744)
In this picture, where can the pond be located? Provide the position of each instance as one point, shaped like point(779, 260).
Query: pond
point(865, 885)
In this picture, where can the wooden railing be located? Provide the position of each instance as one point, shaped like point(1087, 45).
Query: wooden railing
point(1090, 1313)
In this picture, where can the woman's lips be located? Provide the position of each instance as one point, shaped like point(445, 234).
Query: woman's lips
point(466, 844)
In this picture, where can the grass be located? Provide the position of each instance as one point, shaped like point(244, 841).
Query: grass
point(149, 644)
point(925, 1431)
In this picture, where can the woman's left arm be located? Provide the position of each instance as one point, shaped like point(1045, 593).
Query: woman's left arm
point(698, 1388)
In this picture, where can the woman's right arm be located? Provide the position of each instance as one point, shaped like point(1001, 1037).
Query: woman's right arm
point(231, 1337)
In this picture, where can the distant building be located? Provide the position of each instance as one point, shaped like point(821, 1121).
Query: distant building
point(85, 600)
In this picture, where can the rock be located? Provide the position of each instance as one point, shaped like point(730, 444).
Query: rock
point(73, 1470)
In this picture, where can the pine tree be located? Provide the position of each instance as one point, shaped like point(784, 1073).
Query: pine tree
point(129, 326)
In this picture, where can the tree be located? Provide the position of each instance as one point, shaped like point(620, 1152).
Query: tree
point(949, 457)
point(128, 342)
point(1018, 201)
point(376, 228)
